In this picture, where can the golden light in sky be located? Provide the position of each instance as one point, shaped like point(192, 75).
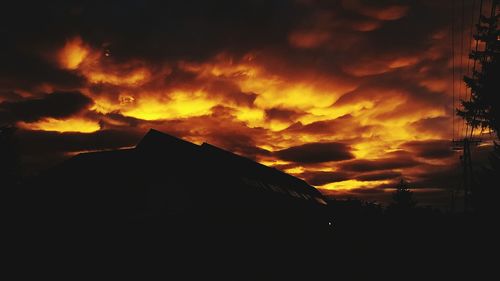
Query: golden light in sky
point(68, 125)
point(73, 53)
point(250, 95)
point(347, 95)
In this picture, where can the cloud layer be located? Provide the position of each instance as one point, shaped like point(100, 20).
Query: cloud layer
point(349, 95)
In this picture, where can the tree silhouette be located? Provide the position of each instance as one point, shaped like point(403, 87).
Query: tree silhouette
point(483, 108)
point(402, 198)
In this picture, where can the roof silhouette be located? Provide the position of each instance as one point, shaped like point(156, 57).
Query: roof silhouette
point(167, 176)
point(157, 140)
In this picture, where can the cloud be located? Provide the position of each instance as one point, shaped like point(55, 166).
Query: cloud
point(437, 176)
point(308, 39)
point(316, 153)
point(27, 72)
point(365, 165)
point(321, 178)
point(39, 150)
point(380, 12)
point(431, 149)
point(376, 176)
point(287, 115)
point(238, 142)
point(201, 29)
point(307, 86)
point(8, 95)
point(55, 105)
point(366, 191)
point(343, 127)
point(437, 127)
point(43, 141)
point(230, 91)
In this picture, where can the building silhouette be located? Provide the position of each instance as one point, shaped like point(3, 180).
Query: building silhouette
point(166, 182)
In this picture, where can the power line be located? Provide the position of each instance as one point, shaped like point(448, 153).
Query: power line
point(469, 40)
point(470, 113)
point(475, 60)
point(453, 65)
point(461, 62)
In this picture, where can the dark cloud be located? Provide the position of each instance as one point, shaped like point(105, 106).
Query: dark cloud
point(179, 77)
point(8, 95)
point(438, 126)
point(237, 142)
point(345, 127)
point(286, 115)
point(171, 30)
point(228, 90)
point(56, 105)
point(39, 150)
point(364, 165)
point(434, 176)
point(383, 175)
point(321, 178)
point(365, 190)
point(46, 141)
point(432, 149)
point(374, 33)
point(412, 30)
point(30, 72)
point(316, 153)
point(400, 85)
point(320, 127)
point(156, 29)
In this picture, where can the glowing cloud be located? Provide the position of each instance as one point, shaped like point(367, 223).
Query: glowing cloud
point(175, 105)
point(73, 53)
point(68, 125)
point(135, 77)
point(366, 80)
point(352, 184)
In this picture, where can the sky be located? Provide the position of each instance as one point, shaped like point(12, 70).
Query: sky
point(349, 95)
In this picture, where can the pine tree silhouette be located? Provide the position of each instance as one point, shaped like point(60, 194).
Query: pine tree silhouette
point(402, 198)
point(483, 108)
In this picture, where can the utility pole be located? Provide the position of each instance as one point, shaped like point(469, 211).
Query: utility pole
point(476, 110)
point(467, 172)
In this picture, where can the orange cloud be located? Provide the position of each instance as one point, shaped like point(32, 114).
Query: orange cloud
point(373, 76)
point(373, 66)
point(76, 124)
point(73, 53)
point(308, 39)
point(386, 13)
point(132, 78)
point(176, 105)
point(318, 127)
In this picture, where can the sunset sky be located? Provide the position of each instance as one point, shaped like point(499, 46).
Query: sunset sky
point(349, 95)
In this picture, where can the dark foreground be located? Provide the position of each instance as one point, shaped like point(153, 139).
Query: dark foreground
point(170, 209)
point(358, 245)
